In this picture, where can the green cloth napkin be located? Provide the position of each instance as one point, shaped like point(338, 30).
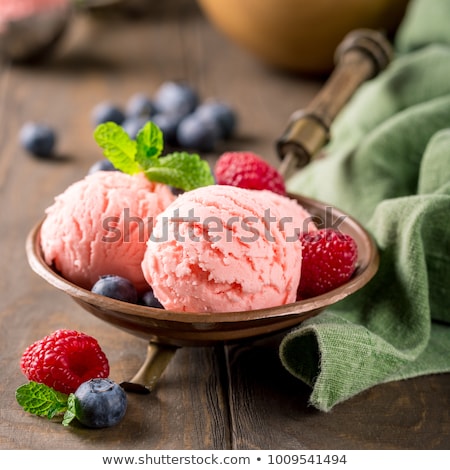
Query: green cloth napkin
point(388, 165)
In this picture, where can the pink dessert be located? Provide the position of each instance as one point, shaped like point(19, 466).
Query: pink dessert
point(100, 225)
point(223, 249)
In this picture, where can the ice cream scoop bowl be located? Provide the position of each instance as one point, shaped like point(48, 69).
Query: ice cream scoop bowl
point(168, 330)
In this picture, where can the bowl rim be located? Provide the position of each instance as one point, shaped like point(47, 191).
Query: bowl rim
point(362, 275)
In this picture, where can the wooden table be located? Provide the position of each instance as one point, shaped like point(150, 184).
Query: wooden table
point(223, 397)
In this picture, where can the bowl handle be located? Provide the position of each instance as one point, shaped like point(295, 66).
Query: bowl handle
point(360, 56)
point(157, 359)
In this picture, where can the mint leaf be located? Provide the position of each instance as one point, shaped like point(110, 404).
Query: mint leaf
point(150, 144)
point(117, 147)
point(182, 170)
point(71, 411)
point(41, 400)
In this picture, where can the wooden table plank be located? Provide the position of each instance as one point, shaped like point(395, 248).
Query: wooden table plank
point(410, 414)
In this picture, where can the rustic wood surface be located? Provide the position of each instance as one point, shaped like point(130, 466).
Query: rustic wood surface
point(223, 397)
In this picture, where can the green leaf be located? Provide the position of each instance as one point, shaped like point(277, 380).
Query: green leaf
point(71, 411)
point(150, 144)
point(41, 400)
point(182, 170)
point(117, 147)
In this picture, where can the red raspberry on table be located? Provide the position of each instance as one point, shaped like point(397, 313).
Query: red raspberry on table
point(248, 170)
point(328, 261)
point(64, 360)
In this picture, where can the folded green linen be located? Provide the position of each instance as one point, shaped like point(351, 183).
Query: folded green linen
point(388, 165)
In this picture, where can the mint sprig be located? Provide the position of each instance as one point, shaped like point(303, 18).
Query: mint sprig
point(41, 400)
point(117, 146)
point(181, 170)
point(149, 145)
point(71, 411)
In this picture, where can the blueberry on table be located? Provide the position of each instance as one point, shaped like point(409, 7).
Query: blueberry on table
point(107, 112)
point(175, 97)
point(38, 139)
point(168, 123)
point(139, 105)
point(133, 125)
point(195, 133)
point(116, 287)
point(102, 165)
point(221, 114)
point(100, 403)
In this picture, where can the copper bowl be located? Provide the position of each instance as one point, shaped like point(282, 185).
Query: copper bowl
point(200, 329)
point(168, 330)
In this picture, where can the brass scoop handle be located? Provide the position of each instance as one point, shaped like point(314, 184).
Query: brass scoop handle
point(157, 359)
point(361, 55)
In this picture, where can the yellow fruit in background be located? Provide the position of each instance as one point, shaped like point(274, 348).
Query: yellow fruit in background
point(299, 35)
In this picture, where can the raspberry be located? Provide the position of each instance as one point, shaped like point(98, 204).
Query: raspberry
point(328, 261)
point(248, 170)
point(64, 360)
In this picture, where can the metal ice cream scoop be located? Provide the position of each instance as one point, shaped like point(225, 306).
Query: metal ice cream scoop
point(361, 55)
point(28, 37)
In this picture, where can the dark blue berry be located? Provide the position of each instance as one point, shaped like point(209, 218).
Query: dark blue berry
point(168, 123)
point(116, 287)
point(133, 125)
point(38, 139)
point(102, 165)
point(176, 191)
point(150, 300)
point(195, 133)
point(100, 403)
point(175, 98)
point(221, 114)
point(139, 105)
point(107, 112)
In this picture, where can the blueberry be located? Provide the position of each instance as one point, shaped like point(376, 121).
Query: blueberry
point(195, 133)
point(116, 287)
point(139, 105)
point(133, 125)
point(150, 300)
point(221, 114)
point(176, 191)
point(102, 165)
point(100, 403)
point(38, 139)
point(107, 112)
point(175, 98)
point(168, 123)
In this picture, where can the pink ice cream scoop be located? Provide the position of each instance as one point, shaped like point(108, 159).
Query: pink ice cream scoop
point(100, 225)
point(223, 249)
